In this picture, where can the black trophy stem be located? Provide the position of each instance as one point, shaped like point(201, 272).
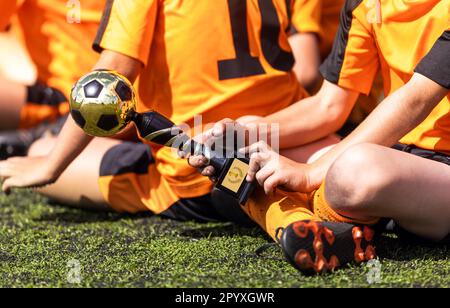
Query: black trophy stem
point(156, 128)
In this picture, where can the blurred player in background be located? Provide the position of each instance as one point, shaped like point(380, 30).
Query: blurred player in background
point(57, 35)
point(314, 27)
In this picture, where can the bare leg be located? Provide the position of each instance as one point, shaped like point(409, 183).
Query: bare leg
point(78, 185)
point(311, 152)
point(12, 99)
point(307, 153)
point(370, 181)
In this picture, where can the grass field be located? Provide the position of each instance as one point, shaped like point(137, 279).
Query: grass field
point(37, 240)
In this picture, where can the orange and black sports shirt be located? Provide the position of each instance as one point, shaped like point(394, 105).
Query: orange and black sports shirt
point(213, 58)
point(221, 58)
point(320, 17)
point(436, 65)
point(59, 46)
point(391, 37)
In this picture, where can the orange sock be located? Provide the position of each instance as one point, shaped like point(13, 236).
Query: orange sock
point(323, 210)
point(277, 212)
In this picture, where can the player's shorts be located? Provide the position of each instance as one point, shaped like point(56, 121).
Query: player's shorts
point(44, 104)
point(130, 182)
point(428, 154)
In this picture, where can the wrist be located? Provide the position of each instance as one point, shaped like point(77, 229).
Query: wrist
point(316, 175)
point(51, 170)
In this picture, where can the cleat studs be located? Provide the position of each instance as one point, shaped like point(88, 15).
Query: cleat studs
point(370, 252)
point(318, 246)
point(357, 233)
point(334, 263)
point(368, 234)
point(300, 229)
point(314, 227)
point(329, 235)
point(321, 266)
point(303, 260)
point(360, 257)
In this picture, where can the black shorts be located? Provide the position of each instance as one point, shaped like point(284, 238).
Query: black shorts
point(428, 154)
point(134, 159)
point(389, 224)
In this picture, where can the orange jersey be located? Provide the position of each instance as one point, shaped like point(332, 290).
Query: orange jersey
point(320, 17)
point(221, 58)
point(391, 36)
point(214, 58)
point(58, 45)
point(436, 64)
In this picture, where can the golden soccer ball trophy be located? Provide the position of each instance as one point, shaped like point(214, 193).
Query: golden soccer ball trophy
point(103, 103)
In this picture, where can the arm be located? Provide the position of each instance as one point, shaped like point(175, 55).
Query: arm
point(306, 121)
point(71, 141)
point(396, 116)
point(306, 34)
point(9, 7)
point(305, 47)
point(392, 119)
point(315, 117)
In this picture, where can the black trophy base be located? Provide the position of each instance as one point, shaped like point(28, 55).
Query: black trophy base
point(232, 179)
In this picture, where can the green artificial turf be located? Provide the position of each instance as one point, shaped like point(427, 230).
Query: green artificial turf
point(38, 240)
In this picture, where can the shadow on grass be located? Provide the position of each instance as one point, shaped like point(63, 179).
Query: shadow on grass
point(394, 248)
point(222, 230)
point(67, 215)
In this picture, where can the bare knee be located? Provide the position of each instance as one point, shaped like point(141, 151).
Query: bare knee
point(355, 179)
point(42, 147)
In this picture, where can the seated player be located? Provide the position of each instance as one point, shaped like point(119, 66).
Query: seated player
point(185, 68)
point(367, 182)
point(314, 26)
point(59, 46)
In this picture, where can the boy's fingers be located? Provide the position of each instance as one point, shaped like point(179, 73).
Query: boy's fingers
point(259, 147)
point(254, 166)
point(198, 161)
point(208, 171)
point(271, 184)
point(263, 174)
point(6, 187)
point(5, 172)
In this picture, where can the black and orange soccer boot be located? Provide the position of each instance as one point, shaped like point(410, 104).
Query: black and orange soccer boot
point(319, 247)
point(17, 142)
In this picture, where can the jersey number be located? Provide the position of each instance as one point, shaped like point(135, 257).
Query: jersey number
point(244, 65)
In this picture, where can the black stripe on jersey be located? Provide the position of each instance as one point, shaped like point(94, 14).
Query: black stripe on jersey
point(103, 25)
point(331, 68)
point(127, 157)
point(41, 94)
point(289, 15)
point(436, 64)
